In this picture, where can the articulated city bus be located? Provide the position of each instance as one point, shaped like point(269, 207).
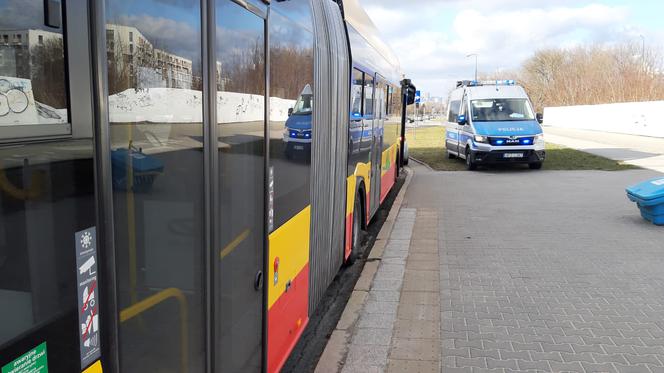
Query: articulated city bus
point(137, 237)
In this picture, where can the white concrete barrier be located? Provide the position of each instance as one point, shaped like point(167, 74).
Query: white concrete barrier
point(634, 118)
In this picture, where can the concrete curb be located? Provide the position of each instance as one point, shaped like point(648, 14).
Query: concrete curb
point(337, 346)
point(422, 163)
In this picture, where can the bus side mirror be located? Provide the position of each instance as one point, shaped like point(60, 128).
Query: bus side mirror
point(461, 120)
point(409, 90)
point(540, 118)
point(290, 111)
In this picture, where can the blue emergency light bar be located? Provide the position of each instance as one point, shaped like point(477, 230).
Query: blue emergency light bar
point(479, 83)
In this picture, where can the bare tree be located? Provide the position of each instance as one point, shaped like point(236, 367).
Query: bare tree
point(590, 75)
point(48, 73)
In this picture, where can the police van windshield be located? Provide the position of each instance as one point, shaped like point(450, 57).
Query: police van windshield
point(501, 110)
point(304, 105)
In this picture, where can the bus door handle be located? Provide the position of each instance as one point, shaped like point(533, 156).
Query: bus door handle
point(258, 281)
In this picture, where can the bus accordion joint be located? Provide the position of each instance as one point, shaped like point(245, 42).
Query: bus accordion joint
point(156, 299)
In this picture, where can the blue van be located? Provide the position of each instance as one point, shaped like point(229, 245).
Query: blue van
point(493, 122)
point(297, 132)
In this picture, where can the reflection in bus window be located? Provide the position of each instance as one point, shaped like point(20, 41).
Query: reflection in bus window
point(368, 95)
point(46, 192)
point(155, 110)
point(356, 94)
point(393, 116)
point(240, 63)
point(305, 102)
point(291, 86)
point(33, 89)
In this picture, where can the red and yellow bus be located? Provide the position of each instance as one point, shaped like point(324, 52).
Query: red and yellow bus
point(181, 180)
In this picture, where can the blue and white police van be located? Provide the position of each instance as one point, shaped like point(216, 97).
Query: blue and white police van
point(297, 131)
point(493, 122)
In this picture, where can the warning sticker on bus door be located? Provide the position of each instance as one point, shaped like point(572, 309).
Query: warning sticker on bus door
point(88, 295)
point(33, 361)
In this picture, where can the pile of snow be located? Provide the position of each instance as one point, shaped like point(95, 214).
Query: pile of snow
point(173, 105)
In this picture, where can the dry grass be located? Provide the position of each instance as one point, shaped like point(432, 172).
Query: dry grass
point(427, 144)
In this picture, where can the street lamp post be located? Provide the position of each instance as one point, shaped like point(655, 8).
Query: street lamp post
point(474, 55)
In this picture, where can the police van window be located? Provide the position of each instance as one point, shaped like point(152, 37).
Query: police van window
point(33, 89)
point(500, 110)
point(356, 93)
point(453, 111)
point(368, 94)
point(305, 102)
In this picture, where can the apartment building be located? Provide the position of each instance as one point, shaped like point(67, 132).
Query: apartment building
point(148, 66)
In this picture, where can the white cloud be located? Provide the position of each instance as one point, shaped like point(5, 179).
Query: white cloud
point(173, 36)
point(432, 38)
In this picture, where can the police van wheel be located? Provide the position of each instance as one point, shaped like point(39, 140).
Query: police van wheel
point(535, 166)
point(470, 165)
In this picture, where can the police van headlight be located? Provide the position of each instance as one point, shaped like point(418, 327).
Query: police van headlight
point(481, 139)
point(539, 139)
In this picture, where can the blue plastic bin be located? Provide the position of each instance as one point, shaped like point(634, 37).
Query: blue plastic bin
point(649, 196)
point(145, 169)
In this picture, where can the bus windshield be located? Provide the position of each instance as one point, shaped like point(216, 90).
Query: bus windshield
point(501, 110)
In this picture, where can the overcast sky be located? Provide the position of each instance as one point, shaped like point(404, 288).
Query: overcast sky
point(433, 37)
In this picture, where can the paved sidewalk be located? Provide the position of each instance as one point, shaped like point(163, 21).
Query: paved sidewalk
point(545, 271)
point(645, 152)
point(398, 328)
point(509, 271)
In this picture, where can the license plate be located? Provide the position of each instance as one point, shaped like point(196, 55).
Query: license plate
point(513, 155)
point(298, 147)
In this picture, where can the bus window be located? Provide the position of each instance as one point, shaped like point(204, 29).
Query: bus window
point(368, 95)
point(25, 92)
point(47, 195)
point(356, 94)
point(155, 110)
point(291, 87)
point(33, 89)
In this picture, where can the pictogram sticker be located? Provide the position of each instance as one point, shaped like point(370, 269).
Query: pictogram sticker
point(88, 295)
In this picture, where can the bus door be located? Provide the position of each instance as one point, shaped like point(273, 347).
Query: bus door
point(380, 112)
point(49, 298)
point(241, 56)
point(188, 183)
point(368, 134)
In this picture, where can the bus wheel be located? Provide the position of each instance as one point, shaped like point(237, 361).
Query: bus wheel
point(356, 235)
point(470, 165)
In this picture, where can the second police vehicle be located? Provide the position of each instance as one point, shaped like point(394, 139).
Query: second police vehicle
point(492, 122)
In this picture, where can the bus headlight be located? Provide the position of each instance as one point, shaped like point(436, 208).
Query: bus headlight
point(481, 139)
